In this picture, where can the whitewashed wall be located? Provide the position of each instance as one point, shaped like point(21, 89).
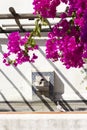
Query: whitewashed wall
point(43, 122)
point(17, 81)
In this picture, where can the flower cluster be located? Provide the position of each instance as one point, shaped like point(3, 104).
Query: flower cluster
point(67, 40)
point(46, 8)
point(16, 50)
point(64, 45)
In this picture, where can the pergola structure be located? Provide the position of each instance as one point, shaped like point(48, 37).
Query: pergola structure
point(26, 27)
point(8, 28)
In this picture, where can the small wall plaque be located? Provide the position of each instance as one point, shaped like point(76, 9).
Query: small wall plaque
point(43, 82)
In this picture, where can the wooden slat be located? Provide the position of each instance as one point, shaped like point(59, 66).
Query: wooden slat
point(13, 12)
point(17, 29)
point(20, 16)
point(14, 25)
point(23, 16)
point(2, 30)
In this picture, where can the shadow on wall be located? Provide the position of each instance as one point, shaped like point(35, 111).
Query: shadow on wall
point(6, 101)
point(58, 88)
point(65, 79)
point(24, 99)
point(17, 89)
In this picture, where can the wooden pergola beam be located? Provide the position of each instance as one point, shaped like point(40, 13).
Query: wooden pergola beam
point(23, 16)
point(13, 12)
point(3, 31)
point(16, 16)
point(14, 25)
point(17, 29)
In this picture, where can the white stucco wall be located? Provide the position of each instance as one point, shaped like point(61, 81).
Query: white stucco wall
point(43, 122)
point(67, 81)
point(17, 82)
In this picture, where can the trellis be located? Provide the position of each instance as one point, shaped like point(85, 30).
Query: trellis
point(18, 26)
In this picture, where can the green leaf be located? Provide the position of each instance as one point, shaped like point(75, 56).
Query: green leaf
point(33, 43)
point(39, 30)
point(46, 22)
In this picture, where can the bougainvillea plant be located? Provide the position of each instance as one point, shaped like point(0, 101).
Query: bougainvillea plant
point(67, 40)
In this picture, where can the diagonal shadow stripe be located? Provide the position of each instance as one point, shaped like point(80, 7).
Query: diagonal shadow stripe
point(68, 106)
point(63, 106)
point(22, 75)
point(11, 107)
point(16, 87)
point(42, 99)
point(60, 73)
point(18, 91)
